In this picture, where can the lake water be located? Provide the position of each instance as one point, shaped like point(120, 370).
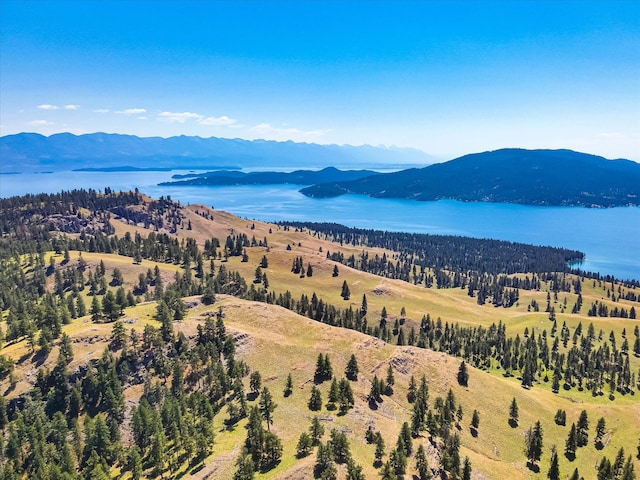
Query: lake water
point(610, 237)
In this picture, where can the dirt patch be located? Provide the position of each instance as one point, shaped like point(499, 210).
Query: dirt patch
point(381, 289)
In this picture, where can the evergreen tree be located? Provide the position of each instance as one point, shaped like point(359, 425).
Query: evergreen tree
point(345, 294)
point(600, 430)
point(411, 391)
point(582, 429)
point(475, 421)
point(255, 382)
point(390, 381)
point(351, 372)
point(379, 452)
point(466, 469)
point(354, 471)
point(324, 467)
point(421, 464)
point(315, 401)
point(134, 463)
point(554, 468)
point(267, 406)
point(513, 413)
point(118, 335)
point(561, 417)
point(339, 446)
point(571, 444)
point(398, 461)
point(304, 445)
point(363, 307)
point(288, 388)
point(317, 431)
point(534, 443)
point(245, 468)
point(463, 374)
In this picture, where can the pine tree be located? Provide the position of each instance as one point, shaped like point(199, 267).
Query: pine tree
point(513, 413)
point(390, 381)
point(421, 464)
point(582, 429)
point(246, 467)
point(363, 307)
point(315, 401)
point(317, 431)
point(571, 444)
point(475, 421)
point(288, 389)
point(354, 471)
point(345, 294)
point(600, 430)
point(554, 468)
point(339, 446)
point(304, 445)
point(255, 382)
point(466, 469)
point(534, 443)
point(351, 372)
point(379, 452)
point(463, 374)
point(267, 406)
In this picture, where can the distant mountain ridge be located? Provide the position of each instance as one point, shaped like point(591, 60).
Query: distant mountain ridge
point(27, 152)
point(532, 177)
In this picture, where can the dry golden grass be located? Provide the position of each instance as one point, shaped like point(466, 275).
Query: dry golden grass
point(278, 342)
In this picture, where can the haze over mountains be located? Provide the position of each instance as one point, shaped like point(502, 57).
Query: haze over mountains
point(28, 152)
point(533, 177)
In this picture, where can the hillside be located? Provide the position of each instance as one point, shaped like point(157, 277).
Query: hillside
point(298, 177)
point(202, 323)
point(29, 152)
point(533, 177)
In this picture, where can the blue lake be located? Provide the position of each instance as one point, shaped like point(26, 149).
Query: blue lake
point(610, 238)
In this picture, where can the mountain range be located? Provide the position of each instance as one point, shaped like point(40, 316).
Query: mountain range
point(29, 152)
point(511, 175)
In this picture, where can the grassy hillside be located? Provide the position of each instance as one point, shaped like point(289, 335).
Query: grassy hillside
point(278, 342)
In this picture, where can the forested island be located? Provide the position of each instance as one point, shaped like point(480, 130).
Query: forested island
point(147, 339)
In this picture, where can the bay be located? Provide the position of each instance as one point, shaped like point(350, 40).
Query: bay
point(610, 238)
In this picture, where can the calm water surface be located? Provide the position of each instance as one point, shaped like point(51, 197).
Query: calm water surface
point(609, 237)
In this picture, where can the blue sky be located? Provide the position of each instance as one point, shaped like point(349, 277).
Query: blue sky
point(446, 77)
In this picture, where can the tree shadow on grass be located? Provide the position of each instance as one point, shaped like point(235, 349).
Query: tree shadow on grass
point(534, 467)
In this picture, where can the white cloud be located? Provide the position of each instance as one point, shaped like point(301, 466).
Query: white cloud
point(40, 123)
point(132, 111)
point(278, 133)
point(47, 106)
point(613, 135)
point(179, 117)
point(218, 121)
point(101, 110)
point(71, 107)
point(142, 118)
